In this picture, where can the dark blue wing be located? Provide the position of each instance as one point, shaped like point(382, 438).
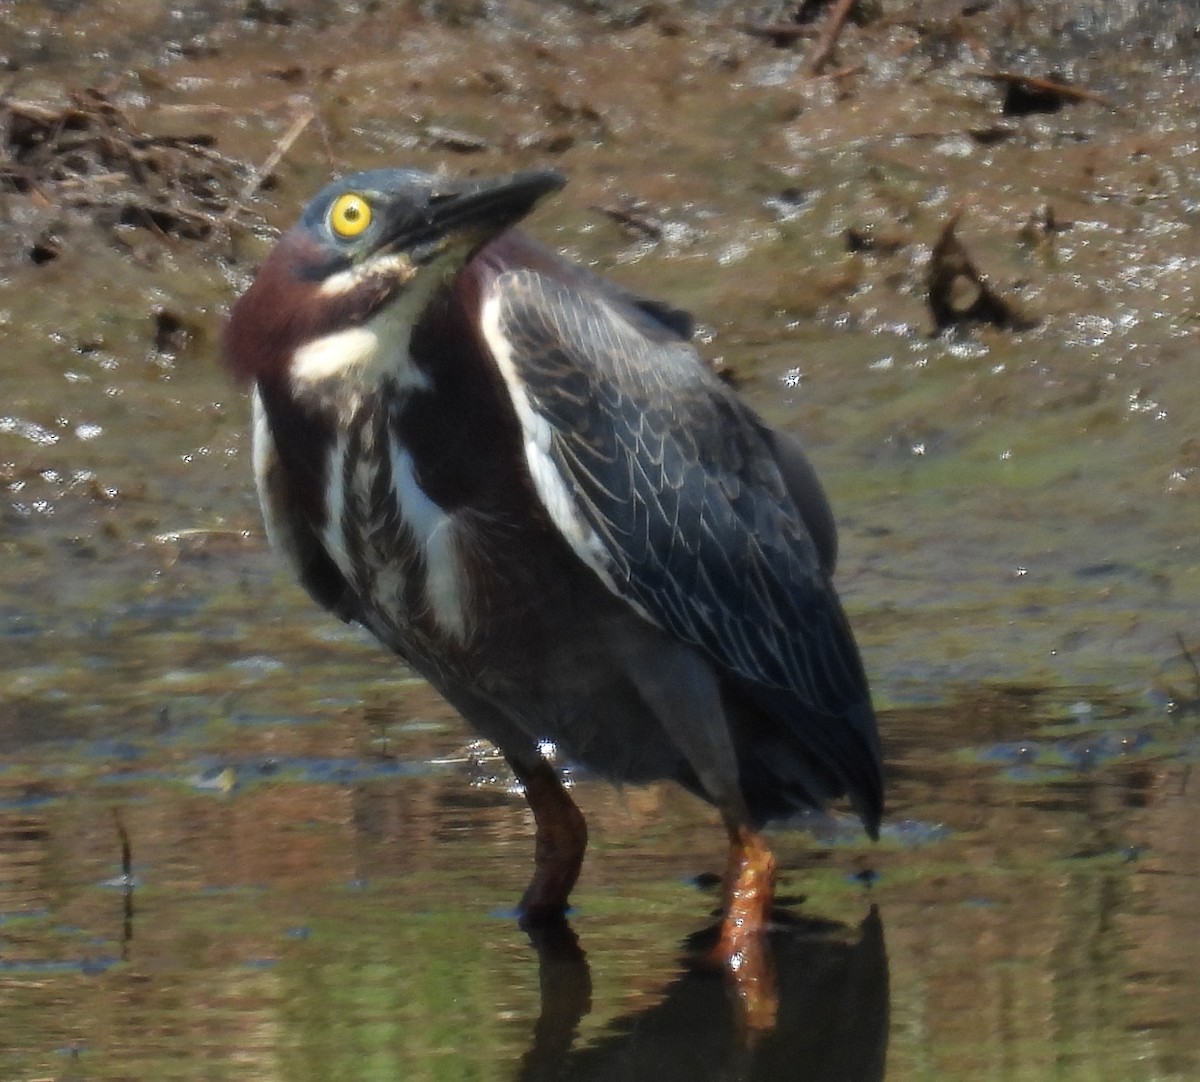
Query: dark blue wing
point(675, 493)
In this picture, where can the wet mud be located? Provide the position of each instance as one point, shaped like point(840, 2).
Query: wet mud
point(952, 246)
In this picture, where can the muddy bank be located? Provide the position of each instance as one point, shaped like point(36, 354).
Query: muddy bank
point(1030, 489)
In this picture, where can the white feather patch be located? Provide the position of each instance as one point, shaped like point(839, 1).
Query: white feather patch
point(334, 354)
point(263, 452)
point(361, 357)
point(437, 533)
point(389, 265)
point(335, 508)
point(548, 481)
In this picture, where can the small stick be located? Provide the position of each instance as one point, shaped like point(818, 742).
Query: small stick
point(783, 31)
point(824, 47)
point(126, 848)
point(639, 223)
point(841, 73)
point(127, 883)
point(1187, 656)
point(1047, 86)
point(261, 172)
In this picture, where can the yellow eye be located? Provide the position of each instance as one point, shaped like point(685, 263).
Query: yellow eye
point(350, 215)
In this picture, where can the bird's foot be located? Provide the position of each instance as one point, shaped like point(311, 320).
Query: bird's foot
point(742, 949)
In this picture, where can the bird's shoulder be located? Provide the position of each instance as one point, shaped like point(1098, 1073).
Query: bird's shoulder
point(515, 259)
point(591, 359)
point(581, 364)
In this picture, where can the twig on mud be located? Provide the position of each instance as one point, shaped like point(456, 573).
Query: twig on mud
point(633, 220)
point(841, 73)
point(126, 849)
point(191, 108)
point(199, 535)
point(126, 883)
point(823, 49)
point(1052, 88)
point(262, 171)
point(1191, 660)
point(779, 32)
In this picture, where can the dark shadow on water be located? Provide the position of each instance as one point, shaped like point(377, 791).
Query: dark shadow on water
point(832, 1024)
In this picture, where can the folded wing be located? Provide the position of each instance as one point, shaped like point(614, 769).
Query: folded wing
point(689, 508)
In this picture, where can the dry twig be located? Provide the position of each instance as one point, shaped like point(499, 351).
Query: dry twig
point(1046, 87)
point(261, 172)
point(823, 49)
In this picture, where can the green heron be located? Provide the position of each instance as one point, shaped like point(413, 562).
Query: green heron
point(525, 482)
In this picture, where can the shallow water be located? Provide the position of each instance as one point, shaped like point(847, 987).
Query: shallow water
point(319, 892)
point(321, 860)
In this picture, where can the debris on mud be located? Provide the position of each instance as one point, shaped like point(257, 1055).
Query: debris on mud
point(455, 140)
point(877, 240)
point(1041, 229)
point(89, 158)
point(634, 217)
point(1177, 686)
point(1026, 94)
point(825, 45)
point(959, 294)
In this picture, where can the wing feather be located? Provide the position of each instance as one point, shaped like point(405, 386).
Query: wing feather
point(679, 484)
point(689, 508)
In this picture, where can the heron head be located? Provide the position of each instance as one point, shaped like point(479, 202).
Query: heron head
point(343, 288)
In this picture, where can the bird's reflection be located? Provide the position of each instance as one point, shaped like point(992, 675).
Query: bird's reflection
point(831, 1025)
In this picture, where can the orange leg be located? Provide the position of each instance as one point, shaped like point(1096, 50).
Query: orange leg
point(559, 845)
point(743, 948)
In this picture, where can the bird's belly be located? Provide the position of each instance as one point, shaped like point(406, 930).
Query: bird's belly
point(594, 718)
point(538, 655)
